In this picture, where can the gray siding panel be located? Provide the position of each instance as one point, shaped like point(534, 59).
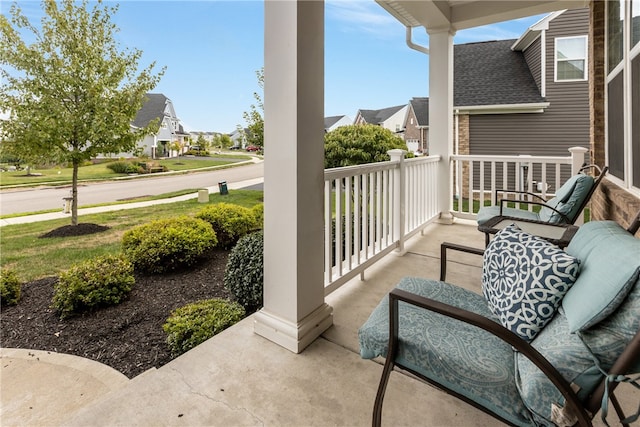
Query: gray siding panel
point(533, 57)
point(564, 124)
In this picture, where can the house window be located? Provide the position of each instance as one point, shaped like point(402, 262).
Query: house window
point(164, 125)
point(623, 93)
point(397, 127)
point(571, 58)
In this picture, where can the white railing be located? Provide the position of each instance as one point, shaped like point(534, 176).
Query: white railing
point(487, 179)
point(371, 209)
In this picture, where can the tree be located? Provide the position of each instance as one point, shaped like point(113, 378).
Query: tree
point(359, 144)
point(71, 94)
point(255, 123)
point(222, 141)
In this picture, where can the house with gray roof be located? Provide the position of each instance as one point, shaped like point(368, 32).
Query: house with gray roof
point(391, 118)
point(334, 122)
point(521, 96)
point(169, 138)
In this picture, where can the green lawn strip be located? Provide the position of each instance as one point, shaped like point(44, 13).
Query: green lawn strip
point(100, 171)
point(121, 202)
point(32, 257)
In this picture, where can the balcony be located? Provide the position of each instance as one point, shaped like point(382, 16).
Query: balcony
point(241, 378)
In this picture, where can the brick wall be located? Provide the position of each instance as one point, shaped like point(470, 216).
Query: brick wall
point(610, 202)
point(597, 81)
point(463, 149)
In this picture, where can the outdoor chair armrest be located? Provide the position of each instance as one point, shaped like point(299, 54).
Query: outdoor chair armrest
point(494, 328)
point(522, 193)
point(443, 255)
point(531, 202)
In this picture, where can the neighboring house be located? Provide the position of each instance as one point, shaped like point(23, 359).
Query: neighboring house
point(169, 134)
point(416, 126)
point(391, 118)
point(334, 122)
point(526, 96)
point(239, 138)
point(208, 136)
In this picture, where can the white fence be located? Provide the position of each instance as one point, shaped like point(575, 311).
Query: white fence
point(487, 179)
point(371, 209)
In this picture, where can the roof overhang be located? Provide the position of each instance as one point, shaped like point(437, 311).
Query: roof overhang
point(440, 15)
point(538, 107)
point(534, 31)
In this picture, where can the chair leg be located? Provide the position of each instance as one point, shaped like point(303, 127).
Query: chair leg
point(382, 388)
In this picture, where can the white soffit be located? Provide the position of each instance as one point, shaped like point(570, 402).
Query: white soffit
point(437, 15)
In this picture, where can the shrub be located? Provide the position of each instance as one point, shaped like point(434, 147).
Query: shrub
point(10, 287)
point(97, 282)
point(229, 221)
point(125, 167)
point(258, 213)
point(168, 244)
point(244, 276)
point(195, 323)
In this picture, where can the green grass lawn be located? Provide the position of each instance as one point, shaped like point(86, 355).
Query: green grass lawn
point(32, 257)
point(57, 175)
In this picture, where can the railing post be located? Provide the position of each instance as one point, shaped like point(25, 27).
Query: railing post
point(577, 161)
point(577, 158)
point(399, 197)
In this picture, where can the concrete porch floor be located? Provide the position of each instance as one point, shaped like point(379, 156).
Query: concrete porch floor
point(238, 378)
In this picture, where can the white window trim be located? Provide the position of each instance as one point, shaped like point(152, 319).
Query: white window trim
point(586, 59)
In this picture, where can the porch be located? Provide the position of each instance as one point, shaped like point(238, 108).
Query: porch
point(241, 378)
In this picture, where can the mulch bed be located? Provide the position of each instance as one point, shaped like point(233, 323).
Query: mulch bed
point(128, 336)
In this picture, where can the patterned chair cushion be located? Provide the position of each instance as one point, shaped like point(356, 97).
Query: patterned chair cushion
point(524, 279)
point(568, 354)
point(461, 357)
point(487, 212)
point(610, 259)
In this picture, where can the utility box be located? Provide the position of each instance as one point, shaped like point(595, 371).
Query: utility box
point(222, 186)
point(203, 196)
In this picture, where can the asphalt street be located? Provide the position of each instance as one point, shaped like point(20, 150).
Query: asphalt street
point(44, 198)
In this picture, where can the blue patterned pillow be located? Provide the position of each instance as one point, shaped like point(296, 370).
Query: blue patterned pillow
point(524, 278)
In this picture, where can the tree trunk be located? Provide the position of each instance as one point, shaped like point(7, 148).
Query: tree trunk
point(74, 193)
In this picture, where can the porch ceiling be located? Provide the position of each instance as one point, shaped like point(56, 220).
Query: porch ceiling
point(437, 15)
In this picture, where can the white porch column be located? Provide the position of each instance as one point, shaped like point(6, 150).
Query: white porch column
point(441, 113)
point(294, 312)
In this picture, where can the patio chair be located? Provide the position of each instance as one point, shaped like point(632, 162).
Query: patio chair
point(549, 367)
point(570, 199)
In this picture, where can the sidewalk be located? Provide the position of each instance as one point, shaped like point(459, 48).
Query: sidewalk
point(86, 211)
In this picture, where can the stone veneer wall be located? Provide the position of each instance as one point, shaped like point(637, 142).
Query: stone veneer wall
point(463, 149)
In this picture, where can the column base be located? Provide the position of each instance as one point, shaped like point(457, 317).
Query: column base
point(293, 337)
point(445, 218)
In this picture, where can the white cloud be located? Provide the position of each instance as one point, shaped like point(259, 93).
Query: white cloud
point(365, 16)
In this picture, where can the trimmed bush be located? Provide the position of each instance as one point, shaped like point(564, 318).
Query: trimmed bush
point(125, 167)
point(195, 323)
point(97, 282)
point(244, 275)
point(168, 244)
point(229, 221)
point(10, 287)
point(258, 212)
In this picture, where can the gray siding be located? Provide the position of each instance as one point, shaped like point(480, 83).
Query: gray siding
point(533, 56)
point(564, 124)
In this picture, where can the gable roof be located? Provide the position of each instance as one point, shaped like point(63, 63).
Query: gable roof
point(490, 73)
point(420, 106)
point(330, 121)
point(378, 116)
point(152, 108)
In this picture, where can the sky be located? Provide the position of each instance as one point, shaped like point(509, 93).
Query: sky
point(213, 49)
